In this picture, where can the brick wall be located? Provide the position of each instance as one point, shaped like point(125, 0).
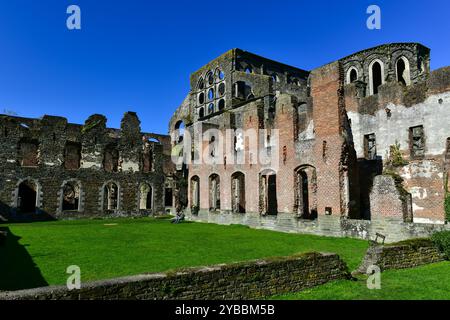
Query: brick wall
point(247, 280)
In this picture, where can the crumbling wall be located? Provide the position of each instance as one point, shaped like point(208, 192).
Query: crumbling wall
point(71, 159)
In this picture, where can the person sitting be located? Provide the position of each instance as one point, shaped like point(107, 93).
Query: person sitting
point(179, 217)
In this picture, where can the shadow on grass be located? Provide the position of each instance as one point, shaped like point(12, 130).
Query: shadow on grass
point(17, 269)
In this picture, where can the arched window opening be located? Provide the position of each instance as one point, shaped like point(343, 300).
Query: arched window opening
point(179, 131)
point(195, 192)
point(212, 146)
point(145, 197)
point(268, 193)
point(403, 73)
point(27, 197)
point(221, 104)
point(201, 98)
point(238, 192)
point(111, 159)
point(211, 108)
point(72, 156)
point(376, 76)
point(201, 84)
point(28, 152)
point(214, 192)
point(201, 112)
point(305, 189)
point(221, 89)
point(352, 75)
point(248, 70)
point(71, 196)
point(210, 94)
point(111, 196)
point(210, 78)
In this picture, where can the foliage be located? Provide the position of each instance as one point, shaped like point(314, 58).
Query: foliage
point(396, 159)
point(442, 241)
point(90, 125)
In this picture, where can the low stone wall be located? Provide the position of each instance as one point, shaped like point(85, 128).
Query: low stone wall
point(409, 254)
point(246, 280)
point(394, 229)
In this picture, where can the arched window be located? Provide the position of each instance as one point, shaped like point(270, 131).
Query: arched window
point(195, 192)
point(214, 192)
point(201, 112)
point(248, 70)
point(201, 84)
point(71, 196)
point(403, 71)
point(221, 104)
point(110, 196)
point(376, 76)
point(27, 197)
point(145, 197)
point(352, 75)
point(201, 98)
point(179, 131)
point(211, 108)
point(211, 94)
point(238, 192)
point(268, 192)
point(210, 78)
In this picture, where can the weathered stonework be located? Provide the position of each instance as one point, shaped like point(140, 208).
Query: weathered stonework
point(338, 127)
point(54, 169)
point(246, 280)
point(410, 254)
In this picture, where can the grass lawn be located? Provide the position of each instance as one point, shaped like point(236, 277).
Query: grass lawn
point(430, 282)
point(37, 254)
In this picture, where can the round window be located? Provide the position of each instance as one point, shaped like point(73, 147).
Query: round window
point(210, 78)
point(221, 89)
point(201, 98)
point(211, 94)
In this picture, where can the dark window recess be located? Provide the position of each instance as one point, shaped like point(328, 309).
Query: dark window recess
point(72, 156)
point(147, 161)
point(28, 153)
point(370, 147)
point(168, 199)
point(417, 141)
point(376, 77)
point(353, 75)
point(111, 159)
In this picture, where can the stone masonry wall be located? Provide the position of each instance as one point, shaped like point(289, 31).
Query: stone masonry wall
point(409, 254)
point(395, 230)
point(248, 280)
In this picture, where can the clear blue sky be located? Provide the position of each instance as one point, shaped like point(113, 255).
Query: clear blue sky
point(138, 54)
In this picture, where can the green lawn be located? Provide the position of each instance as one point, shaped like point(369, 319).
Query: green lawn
point(37, 254)
point(430, 282)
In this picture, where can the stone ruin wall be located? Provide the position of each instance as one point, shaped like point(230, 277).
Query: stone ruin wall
point(54, 169)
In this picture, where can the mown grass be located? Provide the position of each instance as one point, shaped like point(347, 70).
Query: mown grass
point(38, 254)
point(430, 282)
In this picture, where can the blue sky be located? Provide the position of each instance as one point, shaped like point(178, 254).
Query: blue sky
point(138, 54)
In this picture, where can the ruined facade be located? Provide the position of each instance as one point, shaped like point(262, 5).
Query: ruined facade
point(54, 169)
point(363, 138)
